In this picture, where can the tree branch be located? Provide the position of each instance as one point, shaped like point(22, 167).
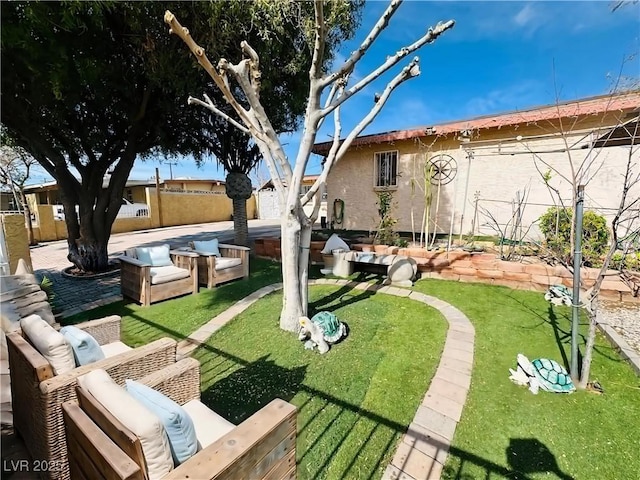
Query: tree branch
point(318, 48)
point(211, 106)
point(408, 72)
point(199, 53)
point(432, 34)
point(348, 66)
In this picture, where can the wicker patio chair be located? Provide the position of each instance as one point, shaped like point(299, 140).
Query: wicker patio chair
point(233, 263)
point(263, 446)
point(37, 393)
point(147, 284)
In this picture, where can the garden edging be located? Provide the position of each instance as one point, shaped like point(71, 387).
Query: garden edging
point(423, 449)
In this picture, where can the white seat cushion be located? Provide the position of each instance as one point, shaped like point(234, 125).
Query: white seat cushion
point(50, 343)
point(114, 348)
point(136, 417)
point(209, 425)
point(227, 262)
point(167, 274)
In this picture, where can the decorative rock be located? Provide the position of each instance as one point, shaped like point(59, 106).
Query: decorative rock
point(402, 271)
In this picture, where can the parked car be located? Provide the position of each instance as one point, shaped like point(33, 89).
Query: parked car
point(127, 210)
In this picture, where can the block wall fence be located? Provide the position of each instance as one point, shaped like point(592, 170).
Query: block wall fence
point(166, 209)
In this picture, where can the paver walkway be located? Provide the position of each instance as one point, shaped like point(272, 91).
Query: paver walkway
point(424, 447)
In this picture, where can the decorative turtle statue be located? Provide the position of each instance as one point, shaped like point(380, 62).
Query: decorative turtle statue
point(324, 328)
point(559, 295)
point(541, 373)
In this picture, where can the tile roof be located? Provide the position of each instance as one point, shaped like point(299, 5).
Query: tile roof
point(588, 106)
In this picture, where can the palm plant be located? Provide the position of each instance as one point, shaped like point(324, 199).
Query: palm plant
point(238, 155)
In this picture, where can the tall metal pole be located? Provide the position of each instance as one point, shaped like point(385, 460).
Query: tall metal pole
point(466, 192)
point(577, 259)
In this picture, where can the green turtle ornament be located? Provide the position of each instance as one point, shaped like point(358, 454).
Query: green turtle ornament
point(323, 328)
point(559, 295)
point(542, 373)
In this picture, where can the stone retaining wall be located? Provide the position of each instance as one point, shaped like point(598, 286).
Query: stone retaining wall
point(462, 266)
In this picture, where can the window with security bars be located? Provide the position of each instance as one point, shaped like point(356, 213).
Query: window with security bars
point(386, 164)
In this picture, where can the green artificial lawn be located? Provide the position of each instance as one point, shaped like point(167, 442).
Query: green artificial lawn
point(179, 317)
point(507, 432)
point(355, 402)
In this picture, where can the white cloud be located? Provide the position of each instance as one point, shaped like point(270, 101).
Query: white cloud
point(513, 97)
point(525, 16)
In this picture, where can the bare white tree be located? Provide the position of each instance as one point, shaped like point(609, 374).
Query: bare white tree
point(328, 92)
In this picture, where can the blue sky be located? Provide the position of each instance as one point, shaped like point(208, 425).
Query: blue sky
point(500, 56)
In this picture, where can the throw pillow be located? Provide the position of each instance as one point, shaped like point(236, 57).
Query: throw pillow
point(86, 349)
point(207, 247)
point(143, 423)
point(334, 243)
point(155, 256)
point(177, 422)
point(50, 343)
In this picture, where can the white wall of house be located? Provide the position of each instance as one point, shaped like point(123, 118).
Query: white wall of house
point(494, 166)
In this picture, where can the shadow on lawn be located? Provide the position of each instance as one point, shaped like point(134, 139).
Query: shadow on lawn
point(525, 456)
point(252, 385)
point(342, 297)
point(256, 384)
point(563, 335)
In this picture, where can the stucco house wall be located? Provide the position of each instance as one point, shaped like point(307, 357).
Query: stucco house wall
point(493, 164)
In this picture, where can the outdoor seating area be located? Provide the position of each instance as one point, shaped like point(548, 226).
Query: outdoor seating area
point(220, 262)
point(44, 375)
point(226, 364)
point(67, 424)
point(151, 274)
point(109, 435)
point(236, 242)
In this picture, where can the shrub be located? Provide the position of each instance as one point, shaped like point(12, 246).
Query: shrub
point(386, 234)
point(630, 261)
point(555, 225)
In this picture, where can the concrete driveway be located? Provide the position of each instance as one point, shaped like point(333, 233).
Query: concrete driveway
point(75, 295)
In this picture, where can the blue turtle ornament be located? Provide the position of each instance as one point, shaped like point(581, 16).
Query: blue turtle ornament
point(542, 373)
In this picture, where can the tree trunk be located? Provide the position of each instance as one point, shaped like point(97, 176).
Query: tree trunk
point(588, 351)
point(89, 239)
point(303, 264)
point(240, 225)
point(238, 188)
point(294, 305)
point(89, 256)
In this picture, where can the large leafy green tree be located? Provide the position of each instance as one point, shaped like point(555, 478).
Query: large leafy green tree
point(89, 87)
